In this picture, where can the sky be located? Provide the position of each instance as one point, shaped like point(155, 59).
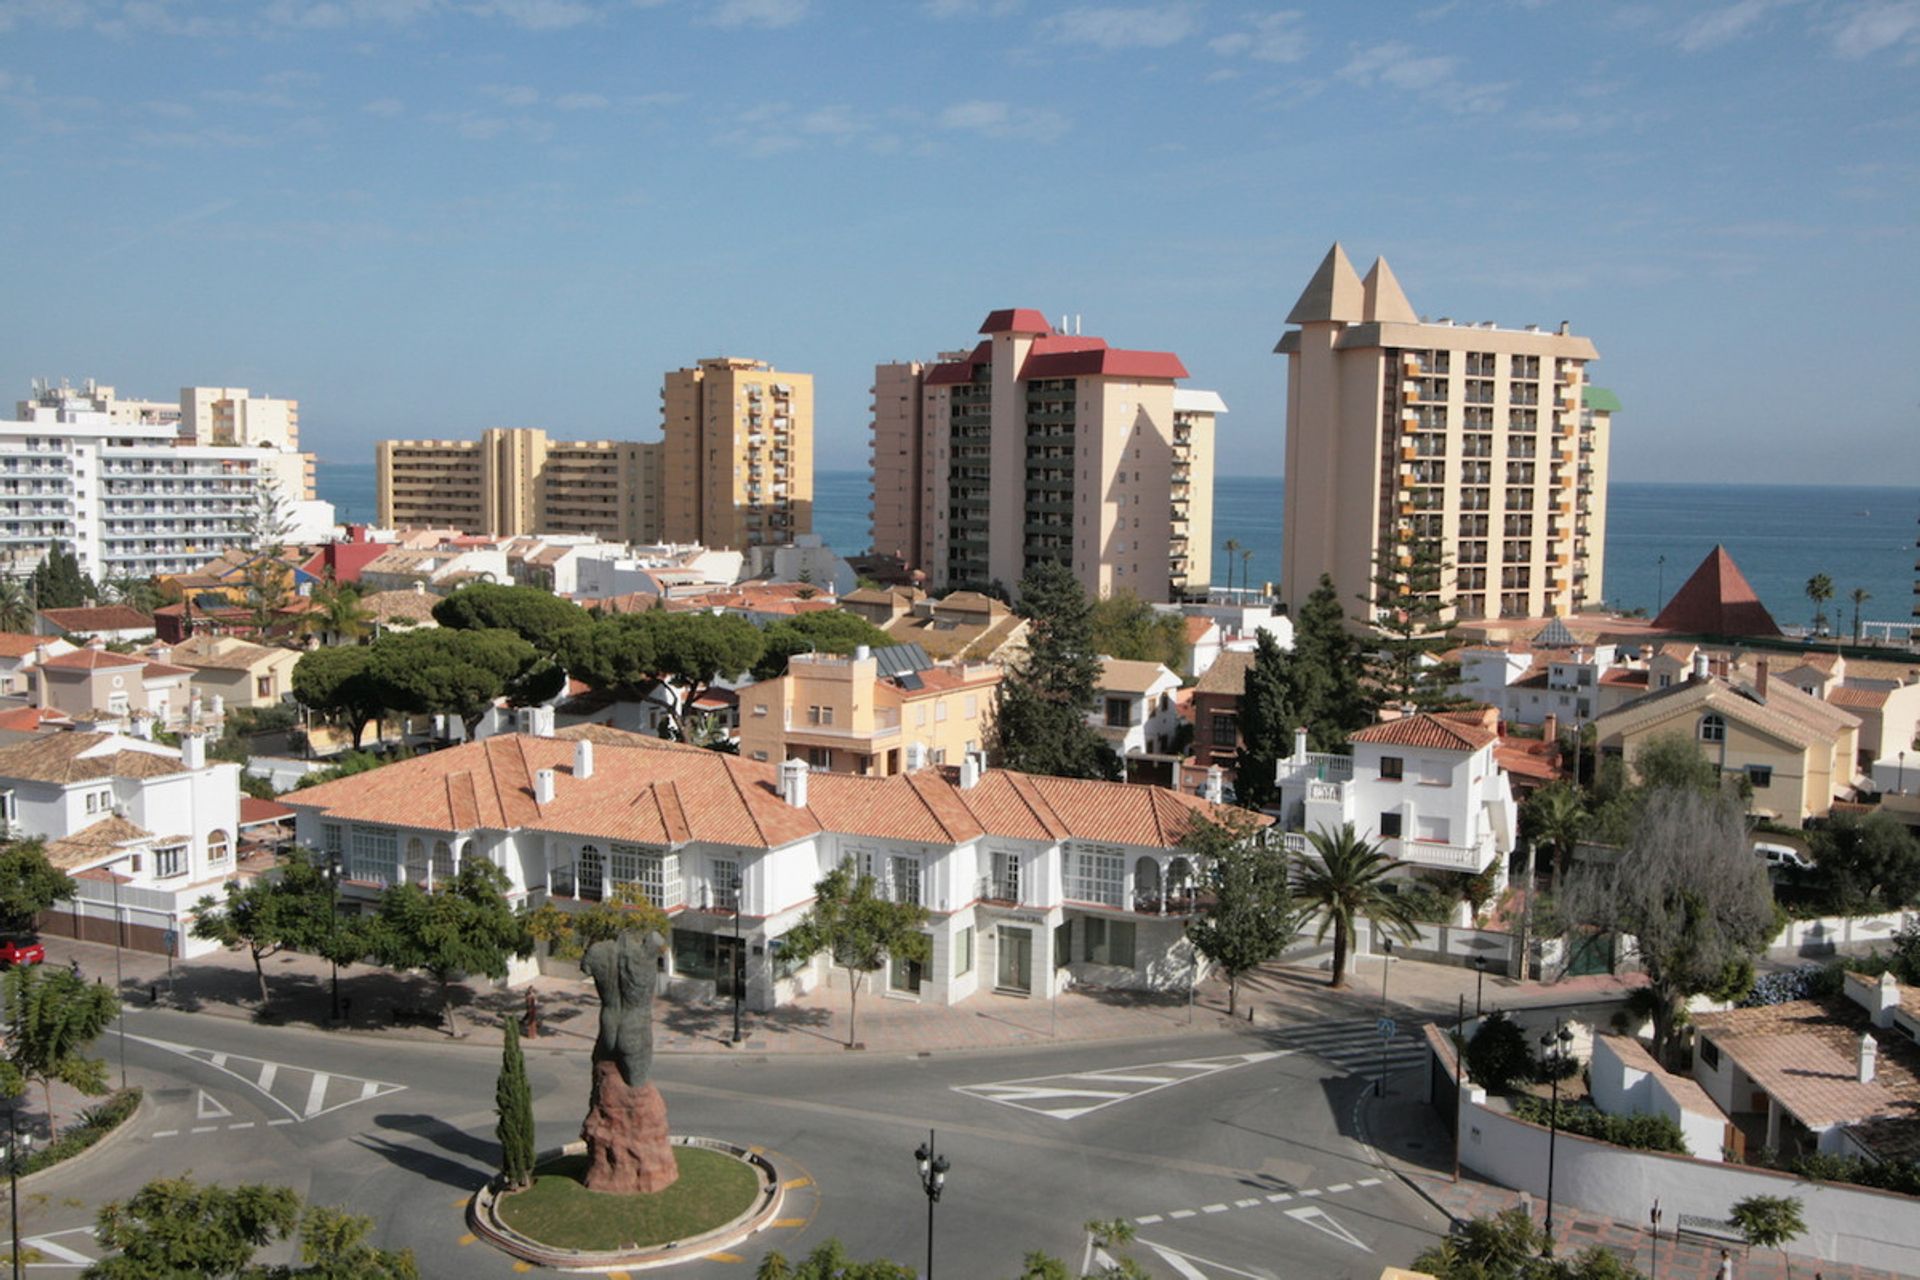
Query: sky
point(426, 217)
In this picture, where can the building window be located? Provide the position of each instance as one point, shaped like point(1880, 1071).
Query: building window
point(1760, 775)
point(1713, 729)
point(820, 757)
point(416, 860)
point(693, 954)
point(656, 873)
point(963, 952)
point(1119, 712)
point(263, 686)
point(170, 861)
point(1105, 941)
point(333, 841)
point(217, 849)
point(1392, 768)
point(1390, 826)
point(759, 708)
point(442, 861)
point(973, 706)
point(374, 852)
point(1710, 1054)
point(906, 880)
point(905, 976)
point(940, 711)
point(723, 880)
point(1097, 875)
point(1225, 729)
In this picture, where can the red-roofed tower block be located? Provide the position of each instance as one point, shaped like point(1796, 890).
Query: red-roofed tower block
point(1083, 452)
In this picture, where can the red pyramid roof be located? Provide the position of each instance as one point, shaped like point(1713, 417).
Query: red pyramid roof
point(1717, 601)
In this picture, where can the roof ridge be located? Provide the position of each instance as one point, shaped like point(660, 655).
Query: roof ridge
point(746, 803)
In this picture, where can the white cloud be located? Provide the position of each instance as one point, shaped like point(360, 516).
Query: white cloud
point(1004, 120)
point(385, 108)
point(944, 9)
point(1879, 24)
point(767, 15)
point(1273, 37)
point(541, 15)
point(1723, 25)
point(581, 102)
point(777, 127)
point(512, 95)
point(1434, 78)
point(1108, 28)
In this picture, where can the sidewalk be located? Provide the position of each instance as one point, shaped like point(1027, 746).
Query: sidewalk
point(1410, 1138)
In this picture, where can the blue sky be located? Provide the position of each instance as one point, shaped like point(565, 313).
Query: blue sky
point(430, 216)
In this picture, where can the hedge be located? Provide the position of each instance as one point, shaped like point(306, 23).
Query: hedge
point(96, 1122)
point(1645, 1133)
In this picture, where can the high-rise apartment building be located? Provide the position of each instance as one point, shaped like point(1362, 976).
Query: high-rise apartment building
point(514, 480)
point(1036, 445)
point(235, 416)
point(1407, 437)
point(739, 454)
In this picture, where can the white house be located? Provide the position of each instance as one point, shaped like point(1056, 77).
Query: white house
point(1572, 685)
point(1136, 712)
point(144, 829)
point(1027, 879)
point(1425, 786)
point(20, 654)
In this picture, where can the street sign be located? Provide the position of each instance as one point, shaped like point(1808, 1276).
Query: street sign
point(173, 940)
point(1387, 1028)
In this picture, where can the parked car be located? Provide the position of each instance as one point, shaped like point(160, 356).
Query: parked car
point(1783, 857)
point(15, 951)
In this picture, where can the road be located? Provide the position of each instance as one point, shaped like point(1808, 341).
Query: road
point(1234, 1154)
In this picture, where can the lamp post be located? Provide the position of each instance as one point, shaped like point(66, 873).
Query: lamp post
point(1653, 1261)
point(1662, 596)
point(933, 1179)
point(333, 928)
point(119, 977)
point(1479, 981)
point(739, 960)
point(1386, 965)
point(14, 1144)
point(1555, 1044)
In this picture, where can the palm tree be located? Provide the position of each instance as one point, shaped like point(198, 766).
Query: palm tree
point(1555, 817)
point(1246, 567)
point(1345, 880)
point(1230, 546)
point(16, 607)
point(1859, 596)
point(337, 613)
point(1819, 590)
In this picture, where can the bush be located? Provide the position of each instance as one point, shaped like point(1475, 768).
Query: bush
point(1643, 1133)
point(96, 1122)
point(1901, 1177)
point(1779, 988)
point(1498, 1053)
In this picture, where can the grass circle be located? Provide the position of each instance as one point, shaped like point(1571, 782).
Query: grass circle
point(713, 1189)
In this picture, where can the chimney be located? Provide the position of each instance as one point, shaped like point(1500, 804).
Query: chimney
point(1550, 728)
point(95, 642)
point(1869, 1051)
point(1566, 328)
point(1216, 784)
point(1884, 1001)
point(1702, 667)
point(540, 723)
point(419, 586)
point(973, 767)
point(1300, 745)
point(193, 750)
point(793, 782)
point(861, 653)
point(543, 786)
point(142, 726)
point(583, 759)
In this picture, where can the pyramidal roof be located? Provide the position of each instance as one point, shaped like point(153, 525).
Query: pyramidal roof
point(1334, 293)
point(1555, 636)
point(1717, 601)
point(1382, 298)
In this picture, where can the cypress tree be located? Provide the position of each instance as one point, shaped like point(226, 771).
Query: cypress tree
point(513, 1098)
point(1268, 716)
point(1328, 693)
point(1040, 724)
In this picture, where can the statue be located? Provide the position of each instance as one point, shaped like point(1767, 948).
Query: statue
point(628, 1149)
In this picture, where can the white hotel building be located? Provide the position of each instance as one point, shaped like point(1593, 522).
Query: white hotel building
point(128, 497)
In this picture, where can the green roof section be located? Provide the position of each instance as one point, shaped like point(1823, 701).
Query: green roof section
point(1600, 398)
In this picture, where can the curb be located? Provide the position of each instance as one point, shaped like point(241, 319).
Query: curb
point(483, 1218)
point(113, 1136)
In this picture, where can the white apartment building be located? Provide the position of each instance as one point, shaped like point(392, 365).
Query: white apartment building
point(1426, 787)
point(1136, 712)
point(1028, 881)
point(144, 830)
point(127, 496)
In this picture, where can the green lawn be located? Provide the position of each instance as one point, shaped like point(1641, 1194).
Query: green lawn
point(559, 1210)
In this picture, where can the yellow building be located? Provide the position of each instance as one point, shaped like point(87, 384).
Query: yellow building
point(844, 716)
point(1797, 751)
point(739, 454)
point(514, 480)
point(1477, 441)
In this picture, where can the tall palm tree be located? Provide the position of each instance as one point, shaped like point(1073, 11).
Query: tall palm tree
point(337, 613)
point(1555, 817)
point(1231, 546)
point(1344, 881)
point(16, 607)
point(1246, 567)
point(1819, 590)
point(1859, 596)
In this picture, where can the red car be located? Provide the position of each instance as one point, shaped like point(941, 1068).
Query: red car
point(13, 952)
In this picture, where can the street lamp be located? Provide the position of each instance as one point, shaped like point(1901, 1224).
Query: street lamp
point(739, 960)
point(1653, 1263)
point(333, 926)
point(15, 1144)
point(1555, 1044)
point(1386, 965)
point(119, 979)
point(1479, 981)
point(933, 1178)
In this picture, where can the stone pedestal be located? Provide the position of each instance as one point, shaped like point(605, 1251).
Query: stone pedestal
point(628, 1150)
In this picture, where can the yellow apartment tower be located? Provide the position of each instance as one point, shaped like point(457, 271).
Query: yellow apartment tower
point(514, 480)
point(739, 454)
point(1082, 453)
point(1484, 445)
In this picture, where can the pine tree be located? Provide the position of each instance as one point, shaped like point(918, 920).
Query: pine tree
point(1409, 620)
point(1329, 695)
point(513, 1099)
point(57, 582)
point(1268, 716)
point(1040, 724)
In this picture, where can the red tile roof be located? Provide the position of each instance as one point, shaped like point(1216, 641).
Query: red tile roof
point(15, 645)
point(254, 811)
point(1107, 362)
point(1717, 601)
point(1427, 730)
point(29, 719)
point(1015, 320)
point(112, 617)
point(1849, 696)
point(92, 660)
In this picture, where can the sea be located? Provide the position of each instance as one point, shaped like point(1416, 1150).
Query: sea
point(1657, 534)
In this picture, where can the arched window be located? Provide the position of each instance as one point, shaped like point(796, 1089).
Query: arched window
point(1146, 885)
point(442, 862)
point(416, 860)
point(1712, 728)
point(218, 849)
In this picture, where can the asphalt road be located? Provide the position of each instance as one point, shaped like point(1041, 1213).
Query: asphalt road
point(1234, 1154)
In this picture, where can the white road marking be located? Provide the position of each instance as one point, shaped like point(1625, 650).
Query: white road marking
point(262, 1076)
point(1213, 1208)
point(207, 1108)
point(1280, 1197)
point(1181, 1213)
point(1309, 1213)
point(1313, 1192)
point(267, 1073)
point(1245, 1204)
point(62, 1255)
point(1148, 1220)
point(1314, 1216)
point(1061, 1097)
point(316, 1094)
point(1184, 1263)
point(1368, 1182)
point(205, 1128)
point(166, 1133)
point(273, 1122)
point(1339, 1186)
point(244, 1124)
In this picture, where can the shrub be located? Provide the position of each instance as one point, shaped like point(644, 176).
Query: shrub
point(1498, 1053)
point(96, 1122)
point(1779, 988)
point(1901, 1177)
point(1643, 1133)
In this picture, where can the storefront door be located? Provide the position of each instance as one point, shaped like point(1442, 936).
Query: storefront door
point(1015, 964)
point(730, 967)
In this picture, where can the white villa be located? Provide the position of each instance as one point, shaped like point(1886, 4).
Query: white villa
point(1027, 879)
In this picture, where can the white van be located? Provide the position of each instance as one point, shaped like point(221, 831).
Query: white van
point(1782, 856)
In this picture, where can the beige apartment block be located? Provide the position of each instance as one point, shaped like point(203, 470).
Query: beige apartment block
point(738, 455)
point(1040, 445)
point(842, 715)
point(1479, 442)
point(234, 416)
point(514, 480)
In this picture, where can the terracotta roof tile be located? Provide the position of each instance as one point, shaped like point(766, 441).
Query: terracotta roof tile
point(79, 756)
point(1227, 675)
point(1849, 696)
point(90, 659)
point(110, 617)
point(103, 839)
point(1120, 675)
point(1426, 730)
point(15, 645)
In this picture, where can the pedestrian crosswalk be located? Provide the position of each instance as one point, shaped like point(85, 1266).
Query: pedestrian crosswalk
point(1069, 1095)
point(1353, 1044)
point(303, 1093)
point(68, 1250)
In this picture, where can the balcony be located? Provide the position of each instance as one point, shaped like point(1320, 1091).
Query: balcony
point(1432, 853)
point(1000, 890)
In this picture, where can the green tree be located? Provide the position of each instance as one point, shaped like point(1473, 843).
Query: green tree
point(1328, 690)
point(1340, 882)
point(1866, 863)
point(1690, 893)
point(57, 582)
point(858, 929)
point(336, 615)
point(29, 884)
point(292, 911)
point(634, 654)
point(624, 910)
point(822, 631)
point(131, 590)
point(1859, 596)
point(1819, 590)
point(1770, 1222)
point(1232, 547)
point(463, 926)
point(53, 1014)
point(339, 684)
point(177, 1227)
point(513, 1100)
point(828, 1261)
point(1410, 627)
point(1556, 817)
point(1508, 1246)
point(1498, 1053)
point(1267, 719)
point(459, 673)
point(267, 577)
point(16, 607)
point(1251, 917)
point(544, 620)
point(1125, 626)
point(1040, 722)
